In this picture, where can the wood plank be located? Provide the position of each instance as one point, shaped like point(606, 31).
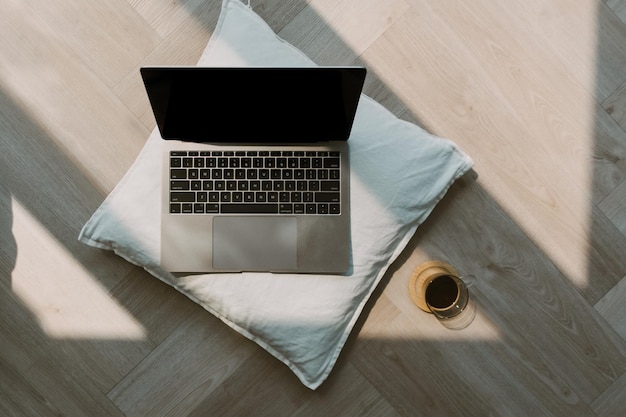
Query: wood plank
point(615, 105)
point(260, 377)
point(54, 88)
point(612, 402)
point(110, 37)
point(19, 397)
point(164, 16)
point(335, 33)
point(42, 376)
point(157, 306)
point(618, 7)
point(51, 188)
point(65, 302)
point(613, 309)
point(614, 207)
point(191, 363)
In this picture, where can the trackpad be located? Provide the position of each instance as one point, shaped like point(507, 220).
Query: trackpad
point(255, 243)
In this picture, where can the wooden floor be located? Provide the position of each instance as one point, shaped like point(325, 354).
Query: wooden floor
point(533, 90)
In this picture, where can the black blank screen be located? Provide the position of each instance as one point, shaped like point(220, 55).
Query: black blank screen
point(254, 104)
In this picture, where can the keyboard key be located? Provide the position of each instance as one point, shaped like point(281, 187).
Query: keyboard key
point(285, 209)
point(249, 208)
point(211, 208)
point(181, 197)
point(178, 174)
point(323, 197)
point(179, 185)
point(329, 186)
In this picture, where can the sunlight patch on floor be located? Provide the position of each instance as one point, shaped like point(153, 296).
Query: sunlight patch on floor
point(524, 111)
point(63, 297)
point(358, 23)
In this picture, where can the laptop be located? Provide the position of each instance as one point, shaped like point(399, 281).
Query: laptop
point(255, 167)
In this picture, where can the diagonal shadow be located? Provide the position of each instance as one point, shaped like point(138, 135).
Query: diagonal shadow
point(517, 292)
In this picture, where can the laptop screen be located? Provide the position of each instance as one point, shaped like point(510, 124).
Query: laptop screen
point(254, 105)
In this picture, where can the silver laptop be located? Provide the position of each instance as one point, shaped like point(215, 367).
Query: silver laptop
point(255, 167)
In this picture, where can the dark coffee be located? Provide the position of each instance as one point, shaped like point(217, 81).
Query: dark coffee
point(442, 292)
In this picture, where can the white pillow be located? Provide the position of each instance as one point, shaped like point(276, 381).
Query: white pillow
point(398, 174)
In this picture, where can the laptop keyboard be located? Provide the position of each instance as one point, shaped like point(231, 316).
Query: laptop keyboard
point(255, 182)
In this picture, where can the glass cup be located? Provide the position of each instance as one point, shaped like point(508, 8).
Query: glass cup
point(447, 297)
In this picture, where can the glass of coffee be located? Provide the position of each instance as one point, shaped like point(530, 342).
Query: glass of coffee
point(447, 297)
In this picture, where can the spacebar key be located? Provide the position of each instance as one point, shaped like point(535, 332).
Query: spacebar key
point(249, 208)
